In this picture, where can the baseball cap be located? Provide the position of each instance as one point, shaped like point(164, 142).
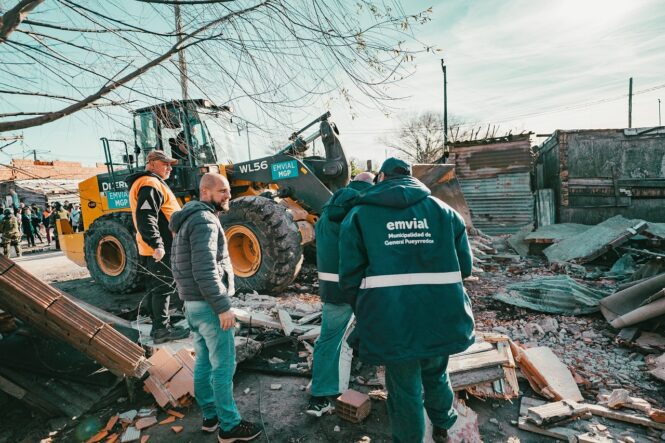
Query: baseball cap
point(161, 156)
point(395, 166)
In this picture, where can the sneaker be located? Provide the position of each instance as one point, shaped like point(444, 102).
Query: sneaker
point(210, 424)
point(170, 333)
point(245, 431)
point(440, 435)
point(318, 406)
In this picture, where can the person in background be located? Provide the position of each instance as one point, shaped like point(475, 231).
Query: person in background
point(15, 200)
point(26, 225)
point(59, 213)
point(337, 309)
point(75, 217)
point(46, 220)
point(11, 235)
point(36, 220)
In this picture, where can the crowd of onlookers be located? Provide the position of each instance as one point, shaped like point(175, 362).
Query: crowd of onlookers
point(19, 221)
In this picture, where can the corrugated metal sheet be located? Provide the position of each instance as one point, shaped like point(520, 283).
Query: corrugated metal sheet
point(501, 204)
point(545, 207)
point(559, 294)
point(488, 160)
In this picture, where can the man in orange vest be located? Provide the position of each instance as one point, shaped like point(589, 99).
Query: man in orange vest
point(152, 203)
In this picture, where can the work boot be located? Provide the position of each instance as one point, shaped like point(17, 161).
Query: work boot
point(170, 333)
point(244, 431)
point(318, 406)
point(440, 435)
point(210, 424)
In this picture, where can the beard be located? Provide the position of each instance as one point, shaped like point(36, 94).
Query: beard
point(221, 206)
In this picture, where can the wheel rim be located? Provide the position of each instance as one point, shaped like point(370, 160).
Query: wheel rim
point(111, 256)
point(244, 250)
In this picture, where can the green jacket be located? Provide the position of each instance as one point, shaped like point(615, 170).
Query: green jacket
point(327, 241)
point(404, 254)
point(10, 229)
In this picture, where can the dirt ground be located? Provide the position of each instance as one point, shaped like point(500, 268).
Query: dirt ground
point(281, 412)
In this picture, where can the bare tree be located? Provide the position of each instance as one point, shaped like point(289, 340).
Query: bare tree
point(282, 55)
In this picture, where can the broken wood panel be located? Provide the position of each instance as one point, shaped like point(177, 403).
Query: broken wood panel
point(476, 361)
point(54, 314)
point(547, 374)
point(556, 412)
point(462, 380)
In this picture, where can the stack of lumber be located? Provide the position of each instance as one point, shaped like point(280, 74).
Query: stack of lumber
point(54, 314)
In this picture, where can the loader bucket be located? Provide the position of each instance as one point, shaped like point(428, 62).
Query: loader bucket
point(442, 181)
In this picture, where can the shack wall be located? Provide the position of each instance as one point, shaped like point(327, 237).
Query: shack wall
point(597, 174)
point(496, 182)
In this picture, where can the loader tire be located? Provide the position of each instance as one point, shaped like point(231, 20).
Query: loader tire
point(264, 244)
point(111, 254)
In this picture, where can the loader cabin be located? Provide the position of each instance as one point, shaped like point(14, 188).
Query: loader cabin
point(195, 132)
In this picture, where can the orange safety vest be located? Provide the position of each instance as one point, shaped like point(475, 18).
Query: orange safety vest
point(169, 206)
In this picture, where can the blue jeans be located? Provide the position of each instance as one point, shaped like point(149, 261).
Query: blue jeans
point(215, 364)
point(405, 382)
point(325, 366)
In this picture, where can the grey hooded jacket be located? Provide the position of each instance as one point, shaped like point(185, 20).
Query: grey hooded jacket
point(200, 258)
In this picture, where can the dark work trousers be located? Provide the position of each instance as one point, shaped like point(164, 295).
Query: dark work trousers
point(159, 281)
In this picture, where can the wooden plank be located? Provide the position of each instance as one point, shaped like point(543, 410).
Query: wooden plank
point(311, 335)
point(555, 412)
point(558, 432)
point(479, 346)
point(462, 380)
point(286, 322)
point(11, 388)
point(309, 318)
point(255, 319)
point(476, 361)
point(606, 412)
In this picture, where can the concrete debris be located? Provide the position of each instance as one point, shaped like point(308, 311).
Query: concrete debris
point(595, 241)
point(466, 428)
point(556, 295)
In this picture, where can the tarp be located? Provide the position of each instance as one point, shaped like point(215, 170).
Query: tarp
point(558, 294)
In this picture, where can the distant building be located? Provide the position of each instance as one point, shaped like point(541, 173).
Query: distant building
point(41, 181)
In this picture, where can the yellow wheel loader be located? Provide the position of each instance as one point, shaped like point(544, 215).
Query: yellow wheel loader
point(276, 200)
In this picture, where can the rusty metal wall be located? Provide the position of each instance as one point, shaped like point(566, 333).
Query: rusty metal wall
point(496, 181)
point(597, 174)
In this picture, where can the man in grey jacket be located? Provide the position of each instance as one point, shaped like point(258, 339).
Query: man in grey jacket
point(204, 277)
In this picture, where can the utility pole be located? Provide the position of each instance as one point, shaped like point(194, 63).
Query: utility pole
point(659, 123)
point(249, 149)
point(630, 103)
point(445, 109)
point(182, 63)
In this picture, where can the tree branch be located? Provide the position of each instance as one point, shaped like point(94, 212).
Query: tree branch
point(13, 17)
point(86, 102)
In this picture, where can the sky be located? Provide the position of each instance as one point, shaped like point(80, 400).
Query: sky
point(532, 65)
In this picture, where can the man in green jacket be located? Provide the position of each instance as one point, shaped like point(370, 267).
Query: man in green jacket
point(337, 311)
point(403, 254)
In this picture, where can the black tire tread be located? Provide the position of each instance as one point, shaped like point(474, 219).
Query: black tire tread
point(281, 251)
point(130, 280)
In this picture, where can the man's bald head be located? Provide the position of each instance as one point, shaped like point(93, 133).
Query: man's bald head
point(214, 189)
point(366, 177)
